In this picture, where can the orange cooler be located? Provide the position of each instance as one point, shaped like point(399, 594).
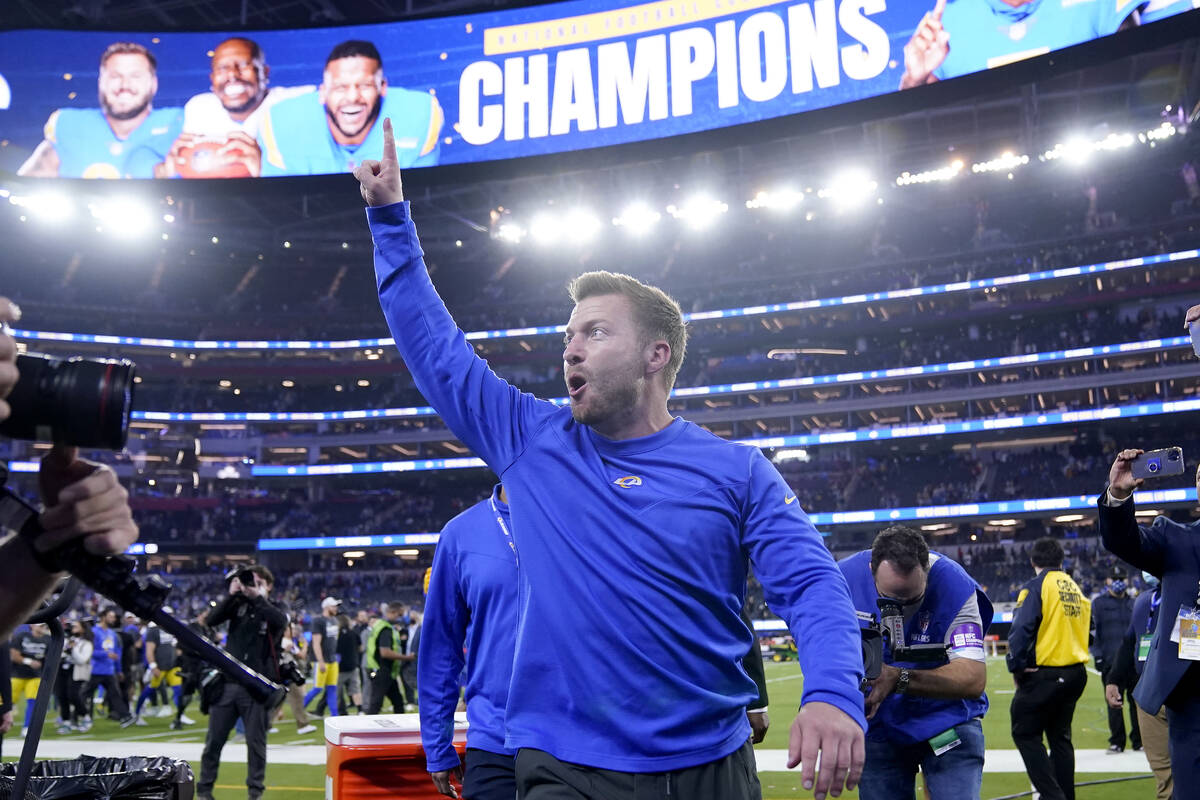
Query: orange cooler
point(369, 757)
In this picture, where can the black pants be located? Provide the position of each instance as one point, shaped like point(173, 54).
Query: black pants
point(63, 694)
point(112, 694)
point(1116, 720)
point(541, 776)
point(222, 716)
point(383, 685)
point(408, 682)
point(489, 776)
point(79, 701)
point(1045, 705)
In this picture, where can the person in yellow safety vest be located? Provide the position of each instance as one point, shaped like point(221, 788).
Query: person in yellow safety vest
point(384, 658)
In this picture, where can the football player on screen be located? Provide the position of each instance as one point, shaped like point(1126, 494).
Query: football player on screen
point(337, 127)
point(124, 138)
point(220, 127)
point(958, 37)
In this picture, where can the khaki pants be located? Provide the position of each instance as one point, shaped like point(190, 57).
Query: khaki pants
point(295, 701)
point(1154, 740)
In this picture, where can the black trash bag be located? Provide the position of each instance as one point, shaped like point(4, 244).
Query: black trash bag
point(95, 778)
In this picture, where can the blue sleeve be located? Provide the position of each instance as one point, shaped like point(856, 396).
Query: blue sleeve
point(803, 585)
point(489, 415)
point(1144, 548)
point(440, 657)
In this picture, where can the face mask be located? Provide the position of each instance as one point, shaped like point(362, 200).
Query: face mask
point(1150, 580)
point(1118, 587)
point(406, 619)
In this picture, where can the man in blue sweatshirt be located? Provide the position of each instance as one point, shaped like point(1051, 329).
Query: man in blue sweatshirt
point(470, 624)
point(626, 522)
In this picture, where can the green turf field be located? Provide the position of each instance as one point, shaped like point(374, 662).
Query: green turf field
point(785, 683)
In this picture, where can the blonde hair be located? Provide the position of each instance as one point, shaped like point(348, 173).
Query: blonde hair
point(656, 312)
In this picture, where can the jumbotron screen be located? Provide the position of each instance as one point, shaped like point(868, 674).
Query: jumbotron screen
point(497, 85)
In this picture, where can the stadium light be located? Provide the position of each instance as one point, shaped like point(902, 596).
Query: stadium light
point(849, 189)
point(1005, 162)
point(125, 217)
point(1068, 518)
point(940, 175)
point(544, 228)
point(790, 454)
point(581, 225)
point(49, 207)
point(637, 218)
point(510, 232)
point(354, 554)
point(783, 199)
point(698, 212)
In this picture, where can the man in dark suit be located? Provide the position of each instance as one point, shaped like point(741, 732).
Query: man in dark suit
point(1170, 551)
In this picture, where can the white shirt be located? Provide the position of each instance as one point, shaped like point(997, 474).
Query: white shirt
point(204, 115)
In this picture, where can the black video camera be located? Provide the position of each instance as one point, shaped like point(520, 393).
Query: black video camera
point(291, 673)
point(890, 628)
point(77, 401)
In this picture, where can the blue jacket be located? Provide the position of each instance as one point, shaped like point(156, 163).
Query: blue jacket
point(633, 556)
point(905, 719)
point(1171, 552)
point(105, 641)
point(472, 604)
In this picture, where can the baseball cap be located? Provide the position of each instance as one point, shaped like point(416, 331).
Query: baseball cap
point(330, 602)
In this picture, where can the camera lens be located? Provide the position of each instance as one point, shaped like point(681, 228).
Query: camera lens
point(76, 401)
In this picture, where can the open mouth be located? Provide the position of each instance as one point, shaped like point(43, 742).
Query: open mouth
point(352, 114)
point(575, 386)
point(236, 89)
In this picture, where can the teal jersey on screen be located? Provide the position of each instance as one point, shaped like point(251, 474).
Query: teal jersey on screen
point(88, 148)
point(990, 33)
point(295, 137)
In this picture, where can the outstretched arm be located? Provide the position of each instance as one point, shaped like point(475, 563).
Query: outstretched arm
point(488, 414)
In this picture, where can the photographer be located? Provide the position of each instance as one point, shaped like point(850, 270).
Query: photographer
point(255, 627)
point(924, 709)
point(83, 500)
point(1170, 551)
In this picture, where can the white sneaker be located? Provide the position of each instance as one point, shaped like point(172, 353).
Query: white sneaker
point(273, 729)
point(306, 729)
point(186, 720)
point(410, 707)
point(140, 722)
point(24, 733)
point(165, 711)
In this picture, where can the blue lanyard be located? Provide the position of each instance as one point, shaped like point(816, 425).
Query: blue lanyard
point(503, 528)
point(1155, 602)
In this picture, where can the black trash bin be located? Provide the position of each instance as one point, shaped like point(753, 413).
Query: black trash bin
point(95, 778)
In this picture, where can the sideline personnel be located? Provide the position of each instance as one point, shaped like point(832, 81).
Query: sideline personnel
point(1170, 551)
point(1047, 654)
point(1125, 672)
point(924, 714)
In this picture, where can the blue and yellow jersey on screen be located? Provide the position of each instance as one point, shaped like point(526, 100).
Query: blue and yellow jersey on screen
point(990, 33)
point(88, 148)
point(295, 137)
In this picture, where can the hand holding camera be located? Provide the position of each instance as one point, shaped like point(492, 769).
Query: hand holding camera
point(1134, 466)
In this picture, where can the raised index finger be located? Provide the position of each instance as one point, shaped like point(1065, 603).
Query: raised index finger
point(938, 8)
point(389, 143)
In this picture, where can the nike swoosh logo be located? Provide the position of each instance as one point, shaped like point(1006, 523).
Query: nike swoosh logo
point(787, 501)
